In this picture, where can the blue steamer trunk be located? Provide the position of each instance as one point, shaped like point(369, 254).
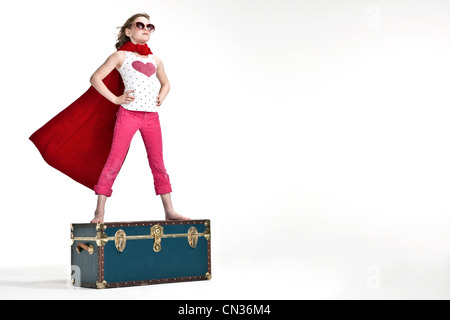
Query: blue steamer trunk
point(121, 254)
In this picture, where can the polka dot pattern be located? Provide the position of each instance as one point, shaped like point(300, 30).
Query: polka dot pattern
point(146, 88)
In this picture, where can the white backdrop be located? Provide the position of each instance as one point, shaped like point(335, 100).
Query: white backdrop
point(313, 134)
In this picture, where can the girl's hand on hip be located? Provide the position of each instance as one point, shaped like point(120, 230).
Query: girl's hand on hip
point(126, 98)
point(159, 100)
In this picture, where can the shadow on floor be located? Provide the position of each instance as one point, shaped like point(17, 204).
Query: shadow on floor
point(42, 277)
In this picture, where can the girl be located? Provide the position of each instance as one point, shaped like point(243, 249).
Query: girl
point(139, 70)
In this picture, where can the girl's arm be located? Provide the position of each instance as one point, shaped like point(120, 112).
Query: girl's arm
point(162, 77)
point(114, 61)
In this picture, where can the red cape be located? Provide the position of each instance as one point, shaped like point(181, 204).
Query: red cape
point(77, 141)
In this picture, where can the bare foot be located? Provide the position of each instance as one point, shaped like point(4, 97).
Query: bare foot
point(99, 215)
point(172, 215)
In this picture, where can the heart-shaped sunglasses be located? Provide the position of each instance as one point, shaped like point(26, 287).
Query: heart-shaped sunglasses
point(140, 26)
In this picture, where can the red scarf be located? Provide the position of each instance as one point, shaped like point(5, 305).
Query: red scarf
point(142, 49)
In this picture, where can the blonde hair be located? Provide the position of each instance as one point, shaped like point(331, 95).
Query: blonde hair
point(122, 38)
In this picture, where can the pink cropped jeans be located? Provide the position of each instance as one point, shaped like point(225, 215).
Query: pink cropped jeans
point(127, 123)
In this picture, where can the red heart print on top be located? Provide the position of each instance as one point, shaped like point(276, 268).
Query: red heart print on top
point(146, 68)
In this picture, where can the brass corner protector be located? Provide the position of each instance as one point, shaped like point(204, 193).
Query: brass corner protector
point(101, 239)
point(207, 234)
point(101, 285)
point(100, 227)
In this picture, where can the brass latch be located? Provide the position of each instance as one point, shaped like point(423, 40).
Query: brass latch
point(192, 237)
point(120, 240)
point(156, 233)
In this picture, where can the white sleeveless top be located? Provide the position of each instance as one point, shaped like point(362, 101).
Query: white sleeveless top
point(139, 74)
